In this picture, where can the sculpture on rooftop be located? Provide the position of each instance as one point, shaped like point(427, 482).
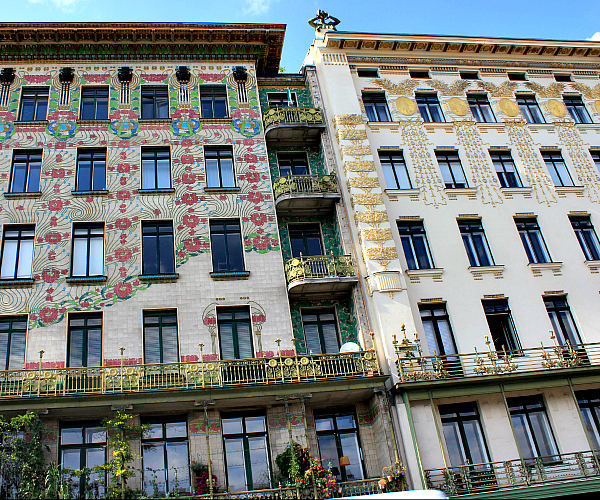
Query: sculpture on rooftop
point(323, 21)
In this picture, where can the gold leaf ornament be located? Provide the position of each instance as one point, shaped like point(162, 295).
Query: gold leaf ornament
point(508, 107)
point(557, 108)
point(405, 106)
point(458, 106)
point(597, 106)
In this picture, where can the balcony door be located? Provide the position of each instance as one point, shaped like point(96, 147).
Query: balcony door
point(305, 239)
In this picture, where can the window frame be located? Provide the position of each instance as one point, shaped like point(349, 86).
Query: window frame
point(160, 314)
point(467, 228)
point(38, 90)
point(529, 248)
point(88, 236)
point(213, 98)
point(155, 109)
point(28, 168)
point(577, 109)
point(512, 342)
point(563, 336)
point(85, 338)
point(93, 152)
point(292, 94)
point(235, 337)
point(528, 102)
point(590, 246)
point(292, 155)
point(552, 158)
point(590, 400)
point(371, 105)
point(225, 233)
point(503, 158)
point(157, 224)
point(388, 161)
point(595, 154)
point(469, 75)
point(359, 70)
point(318, 311)
point(449, 159)
point(435, 318)
point(219, 152)
point(7, 363)
point(21, 229)
point(152, 154)
point(295, 227)
point(95, 98)
point(426, 101)
point(410, 233)
point(480, 101)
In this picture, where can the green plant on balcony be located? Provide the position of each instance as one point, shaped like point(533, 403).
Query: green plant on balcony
point(201, 477)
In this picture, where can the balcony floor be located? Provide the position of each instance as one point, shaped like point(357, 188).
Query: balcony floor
point(306, 204)
point(328, 286)
point(293, 133)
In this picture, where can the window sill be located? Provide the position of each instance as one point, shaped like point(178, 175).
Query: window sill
point(14, 283)
point(592, 127)
point(433, 126)
point(85, 123)
point(217, 190)
point(151, 121)
point(86, 280)
point(156, 191)
point(538, 127)
point(18, 196)
point(157, 278)
point(509, 193)
point(593, 266)
point(537, 268)
point(226, 119)
point(485, 126)
point(454, 193)
point(415, 275)
point(31, 123)
point(479, 272)
point(229, 275)
point(411, 194)
point(375, 126)
point(99, 192)
point(563, 191)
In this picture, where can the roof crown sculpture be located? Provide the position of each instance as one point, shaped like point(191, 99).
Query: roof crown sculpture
point(324, 22)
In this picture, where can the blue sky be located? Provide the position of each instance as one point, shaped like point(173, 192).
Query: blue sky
point(559, 19)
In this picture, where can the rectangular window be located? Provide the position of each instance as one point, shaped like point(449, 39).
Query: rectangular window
point(94, 103)
point(213, 101)
point(502, 327)
point(586, 235)
point(517, 77)
point(475, 243)
point(596, 158)
point(419, 73)
point(533, 241)
point(367, 73)
point(589, 405)
point(156, 168)
point(557, 168)
point(84, 344)
point(452, 171)
point(26, 167)
point(376, 107)
point(463, 434)
point(165, 458)
point(160, 337)
point(438, 331)
point(305, 239)
point(481, 108)
point(532, 428)
point(226, 245)
point(394, 170)
point(429, 107)
point(84, 447)
point(563, 77)
point(88, 250)
point(235, 332)
point(282, 99)
point(505, 169)
point(530, 109)
point(563, 324)
point(246, 452)
point(469, 75)
point(34, 104)
point(13, 334)
point(337, 436)
point(155, 102)
point(320, 331)
point(295, 163)
point(17, 252)
point(157, 248)
point(91, 170)
point(219, 167)
point(577, 109)
point(414, 244)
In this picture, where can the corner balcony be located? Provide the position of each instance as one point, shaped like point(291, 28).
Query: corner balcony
point(320, 274)
point(287, 124)
point(305, 195)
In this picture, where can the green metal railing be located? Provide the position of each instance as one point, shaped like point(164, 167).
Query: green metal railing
point(289, 115)
point(301, 184)
point(319, 266)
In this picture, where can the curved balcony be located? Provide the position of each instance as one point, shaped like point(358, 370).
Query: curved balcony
point(287, 124)
point(320, 274)
point(305, 195)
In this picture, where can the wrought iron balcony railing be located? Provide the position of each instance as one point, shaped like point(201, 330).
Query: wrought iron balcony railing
point(517, 473)
point(187, 375)
point(305, 184)
point(288, 115)
point(319, 266)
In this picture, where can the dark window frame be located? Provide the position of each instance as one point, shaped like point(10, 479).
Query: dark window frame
point(563, 77)
point(156, 251)
point(551, 302)
point(292, 158)
point(469, 75)
point(235, 337)
point(94, 99)
point(225, 232)
point(88, 236)
point(318, 311)
point(85, 337)
point(429, 309)
point(213, 94)
point(154, 154)
point(480, 107)
point(576, 108)
point(367, 70)
point(595, 154)
point(527, 227)
point(32, 155)
point(517, 76)
point(28, 228)
point(501, 158)
point(407, 239)
point(305, 228)
point(284, 99)
point(494, 308)
point(220, 153)
point(419, 74)
point(449, 160)
point(426, 102)
point(586, 236)
point(38, 95)
point(160, 314)
point(553, 159)
point(393, 160)
point(156, 93)
point(470, 228)
point(12, 333)
point(590, 400)
point(372, 101)
point(530, 108)
point(97, 160)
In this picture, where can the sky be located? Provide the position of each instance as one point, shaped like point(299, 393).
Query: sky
point(554, 19)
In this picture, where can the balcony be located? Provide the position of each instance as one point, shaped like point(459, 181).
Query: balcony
point(197, 375)
point(292, 125)
point(565, 470)
point(320, 274)
point(305, 195)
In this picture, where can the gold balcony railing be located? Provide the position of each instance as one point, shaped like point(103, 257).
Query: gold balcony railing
point(319, 266)
point(413, 366)
point(304, 184)
point(187, 375)
point(519, 473)
point(288, 115)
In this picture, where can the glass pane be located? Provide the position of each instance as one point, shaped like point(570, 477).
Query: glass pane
point(244, 337)
point(95, 435)
point(227, 174)
point(422, 252)
point(150, 254)
point(311, 335)
point(71, 459)
point(235, 252)
point(148, 174)
point(94, 347)
point(178, 466)
point(169, 344)
point(164, 173)
point(80, 257)
point(330, 338)
point(212, 172)
point(454, 444)
point(324, 424)
point(155, 432)
point(329, 454)
point(236, 468)
point(176, 429)
point(232, 425)
point(16, 356)
point(73, 435)
point(99, 176)
point(84, 176)
point(33, 181)
point(474, 441)
point(540, 429)
point(96, 257)
point(76, 348)
point(524, 436)
point(226, 339)
point(446, 335)
point(255, 424)
point(259, 462)
point(25, 259)
point(152, 347)
point(9, 258)
point(351, 450)
point(154, 468)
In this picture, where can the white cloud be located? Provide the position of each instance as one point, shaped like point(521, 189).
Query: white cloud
point(595, 37)
point(255, 7)
point(64, 5)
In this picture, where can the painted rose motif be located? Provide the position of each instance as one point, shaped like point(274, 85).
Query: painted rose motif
point(123, 224)
point(50, 275)
point(123, 195)
point(256, 197)
point(188, 178)
point(123, 290)
point(37, 78)
point(123, 168)
point(55, 205)
point(187, 159)
point(191, 220)
point(210, 321)
point(258, 219)
point(153, 77)
point(57, 173)
point(189, 198)
point(195, 245)
point(123, 254)
point(53, 238)
point(48, 315)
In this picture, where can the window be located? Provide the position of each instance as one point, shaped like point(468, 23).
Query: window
point(17, 252)
point(475, 243)
point(502, 328)
point(589, 405)
point(429, 107)
point(530, 108)
point(469, 75)
point(282, 99)
point(394, 170)
point(532, 428)
point(414, 244)
point(562, 320)
point(34, 104)
point(320, 331)
point(26, 167)
point(305, 239)
point(219, 167)
point(452, 171)
point(418, 73)
point(156, 168)
point(166, 458)
point(13, 333)
point(84, 345)
point(160, 337)
point(533, 241)
point(246, 452)
point(292, 164)
point(213, 101)
point(505, 169)
point(88, 250)
point(596, 158)
point(337, 435)
point(94, 103)
point(226, 245)
point(464, 437)
point(84, 447)
point(157, 248)
point(376, 107)
point(557, 168)
point(91, 170)
point(155, 102)
point(563, 77)
point(235, 332)
point(586, 235)
point(367, 73)
point(577, 109)
point(517, 77)
point(480, 107)
point(438, 331)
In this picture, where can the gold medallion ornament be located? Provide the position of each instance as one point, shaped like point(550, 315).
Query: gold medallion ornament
point(405, 106)
point(508, 107)
point(458, 106)
point(597, 106)
point(557, 108)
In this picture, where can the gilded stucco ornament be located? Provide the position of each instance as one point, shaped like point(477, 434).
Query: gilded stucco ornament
point(505, 89)
point(404, 88)
point(552, 90)
point(458, 106)
point(405, 106)
point(456, 88)
point(597, 106)
point(508, 107)
point(589, 92)
point(557, 108)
